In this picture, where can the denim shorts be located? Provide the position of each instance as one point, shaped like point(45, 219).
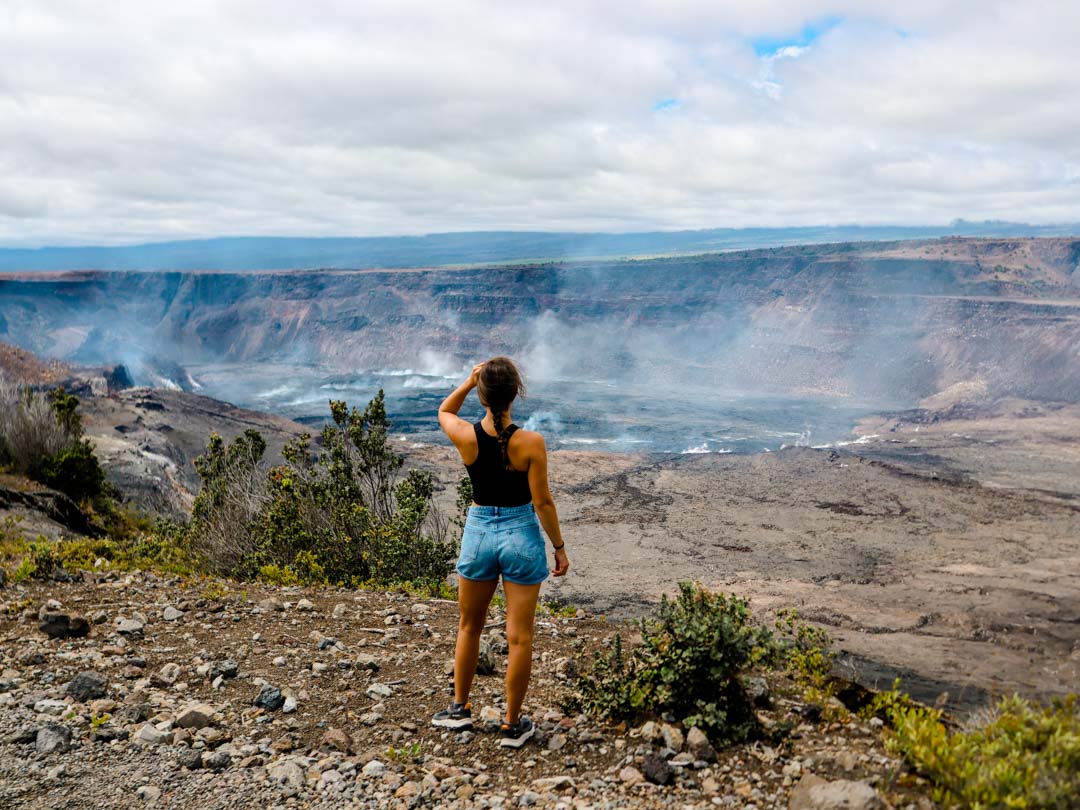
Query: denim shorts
point(503, 540)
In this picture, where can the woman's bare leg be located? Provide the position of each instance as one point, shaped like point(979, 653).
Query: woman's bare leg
point(473, 600)
point(520, 613)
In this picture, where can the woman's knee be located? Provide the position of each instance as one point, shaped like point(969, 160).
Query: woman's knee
point(471, 625)
point(519, 636)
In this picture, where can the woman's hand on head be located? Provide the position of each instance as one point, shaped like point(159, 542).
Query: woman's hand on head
point(474, 375)
point(562, 563)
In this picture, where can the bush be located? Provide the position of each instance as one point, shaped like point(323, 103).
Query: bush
point(693, 650)
point(75, 471)
point(1024, 756)
point(342, 515)
point(42, 438)
point(30, 430)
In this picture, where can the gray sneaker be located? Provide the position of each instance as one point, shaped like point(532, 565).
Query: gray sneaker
point(514, 736)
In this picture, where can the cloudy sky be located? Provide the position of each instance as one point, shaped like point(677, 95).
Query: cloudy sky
point(133, 121)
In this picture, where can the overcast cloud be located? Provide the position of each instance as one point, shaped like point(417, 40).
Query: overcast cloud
point(135, 121)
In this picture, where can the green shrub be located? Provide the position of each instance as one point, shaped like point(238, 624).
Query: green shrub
point(343, 515)
point(693, 650)
point(75, 471)
point(1025, 756)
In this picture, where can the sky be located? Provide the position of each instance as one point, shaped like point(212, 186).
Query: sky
point(124, 122)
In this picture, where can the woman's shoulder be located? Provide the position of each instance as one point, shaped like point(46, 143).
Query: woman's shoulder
point(528, 438)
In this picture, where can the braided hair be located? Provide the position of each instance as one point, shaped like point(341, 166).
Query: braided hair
point(498, 385)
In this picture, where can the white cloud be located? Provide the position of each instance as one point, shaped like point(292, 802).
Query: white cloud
point(124, 121)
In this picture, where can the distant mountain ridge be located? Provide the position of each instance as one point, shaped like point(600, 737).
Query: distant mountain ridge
point(470, 248)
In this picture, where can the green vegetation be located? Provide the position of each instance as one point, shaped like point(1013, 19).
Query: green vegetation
point(41, 437)
point(1021, 755)
point(41, 558)
point(688, 665)
point(343, 515)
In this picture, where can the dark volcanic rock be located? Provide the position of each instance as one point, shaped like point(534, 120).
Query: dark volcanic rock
point(61, 625)
point(226, 668)
point(87, 686)
point(269, 698)
point(656, 769)
point(56, 506)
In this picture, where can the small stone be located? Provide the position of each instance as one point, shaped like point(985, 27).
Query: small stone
point(487, 660)
point(305, 605)
point(270, 605)
point(370, 718)
point(150, 735)
point(374, 769)
point(673, 737)
point(269, 698)
point(378, 691)
point(148, 793)
point(217, 761)
point(656, 769)
point(366, 662)
point(196, 716)
point(335, 739)
point(129, 627)
point(225, 668)
point(50, 706)
point(489, 714)
point(171, 614)
point(62, 625)
point(289, 706)
point(876, 723)
point(87, 686)
point(631, 776)
point(167, 675)
point(650, 731)
point(408, 790)
point(547, 784)
point(697, 743)
point(556, 742)
point(340, 609)
point(757, 689)
point(52, 738)
point(814, 793)
point(189, 759)
point(848, 760)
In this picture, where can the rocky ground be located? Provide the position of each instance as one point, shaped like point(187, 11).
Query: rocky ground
point(212, 694)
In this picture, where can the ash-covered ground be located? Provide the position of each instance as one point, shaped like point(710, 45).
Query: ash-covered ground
point(942, 547)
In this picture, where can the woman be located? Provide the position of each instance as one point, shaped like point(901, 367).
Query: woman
point(508, 469)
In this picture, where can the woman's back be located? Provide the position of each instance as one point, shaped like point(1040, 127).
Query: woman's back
point(493, 482)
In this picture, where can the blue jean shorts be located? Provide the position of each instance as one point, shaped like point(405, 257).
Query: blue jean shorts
point(503, 540)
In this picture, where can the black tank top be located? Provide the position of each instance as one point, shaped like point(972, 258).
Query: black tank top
point(492, 483)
